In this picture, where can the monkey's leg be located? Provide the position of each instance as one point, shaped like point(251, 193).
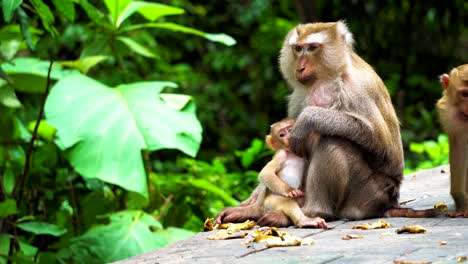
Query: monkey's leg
point(291, 209)
point(458, 172)
point(239, 214)
point(327, 177)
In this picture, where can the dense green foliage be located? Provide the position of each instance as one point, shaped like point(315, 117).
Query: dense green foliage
point(107, 151)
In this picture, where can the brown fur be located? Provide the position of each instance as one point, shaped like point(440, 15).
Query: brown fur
point(453, 112)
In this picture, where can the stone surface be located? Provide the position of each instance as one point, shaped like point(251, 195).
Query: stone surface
point(420, 190)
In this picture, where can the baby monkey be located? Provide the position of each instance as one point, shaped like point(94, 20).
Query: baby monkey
point(282, 177)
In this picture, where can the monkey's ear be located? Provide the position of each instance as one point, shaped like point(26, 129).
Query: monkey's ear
point(344, 32)
point(445, 80)
point(269, 141)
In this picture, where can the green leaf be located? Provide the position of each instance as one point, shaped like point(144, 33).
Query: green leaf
point(30, 75)
point(150, 11)
point(105, 129)
point(45, 130)
point(137, 47)
point(66, 8)
point(84, 64)
point(222, 38)
point(211, 188)
point(24, 25)
point(176, 101)
point(7, 208)
point(115, 8)
point(417, 148)
point(8, 7)
point(46, 15)
point(174, 234)
point(8, 97)
point(92, 12)
point(41, 228)
point(129, 233)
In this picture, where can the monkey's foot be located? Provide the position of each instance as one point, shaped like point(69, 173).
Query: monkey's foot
point(458, 214)
point(316, 222)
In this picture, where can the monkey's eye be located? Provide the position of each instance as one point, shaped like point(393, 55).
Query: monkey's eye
point(297, 48)
point(313, 46)
point(282, 134)
point(464, 94)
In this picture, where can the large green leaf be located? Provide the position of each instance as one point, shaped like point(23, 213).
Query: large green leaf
point(115, 8)
point(222, 38)
point(41, 228)
point(105, 129)
point(129, 233)
point(173, 234)
point(150, 11)
point(137, 47)
point(8, 7)
point(30, 75)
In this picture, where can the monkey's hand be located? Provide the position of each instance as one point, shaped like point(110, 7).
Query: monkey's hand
point(296, 193)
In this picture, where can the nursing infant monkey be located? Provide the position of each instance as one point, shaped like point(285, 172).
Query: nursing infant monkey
point(282, 177)
point(453, 111)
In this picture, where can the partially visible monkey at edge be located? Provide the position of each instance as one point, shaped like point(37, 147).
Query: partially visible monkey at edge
point(282, 177)
point(453, 112)
point(354, 167)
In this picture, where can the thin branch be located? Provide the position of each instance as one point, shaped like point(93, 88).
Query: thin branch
point(164, 206)
point(20, 184)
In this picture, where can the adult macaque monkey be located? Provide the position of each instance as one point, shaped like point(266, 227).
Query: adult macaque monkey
point(354, 165)
point(453, 111)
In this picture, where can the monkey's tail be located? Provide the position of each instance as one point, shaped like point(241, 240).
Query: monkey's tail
point(411, 213)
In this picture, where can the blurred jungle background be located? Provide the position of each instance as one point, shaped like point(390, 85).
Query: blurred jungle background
point(153, 114)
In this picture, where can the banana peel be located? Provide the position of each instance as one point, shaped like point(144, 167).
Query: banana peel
point(441, 207)
point(376, 225)
point(273, 237)
point(230, 227)
point(413, 229)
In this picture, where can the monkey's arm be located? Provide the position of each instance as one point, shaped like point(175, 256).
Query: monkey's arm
point(374, 136)
point(269, 175)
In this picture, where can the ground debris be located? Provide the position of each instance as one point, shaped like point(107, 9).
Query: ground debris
point(223, 235)
point(230, 227)
point(414, 229)
point(351, 236)
point(273, 237)
point(410, 262)
point(441, 207)
point(376, 225)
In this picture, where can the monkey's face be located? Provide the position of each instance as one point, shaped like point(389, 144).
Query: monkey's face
point(315, 51)
point(462, 101)
point(282, 134)
point(456, 87)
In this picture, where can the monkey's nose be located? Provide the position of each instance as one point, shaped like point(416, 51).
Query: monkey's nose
point(300, 69)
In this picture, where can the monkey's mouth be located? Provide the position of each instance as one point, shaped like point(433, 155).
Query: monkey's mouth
point(306, 79)
point(463, 116)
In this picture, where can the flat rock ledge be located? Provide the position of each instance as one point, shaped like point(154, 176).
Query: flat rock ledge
point(445, 241)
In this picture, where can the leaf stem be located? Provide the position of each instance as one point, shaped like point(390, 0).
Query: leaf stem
point(19, 186)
